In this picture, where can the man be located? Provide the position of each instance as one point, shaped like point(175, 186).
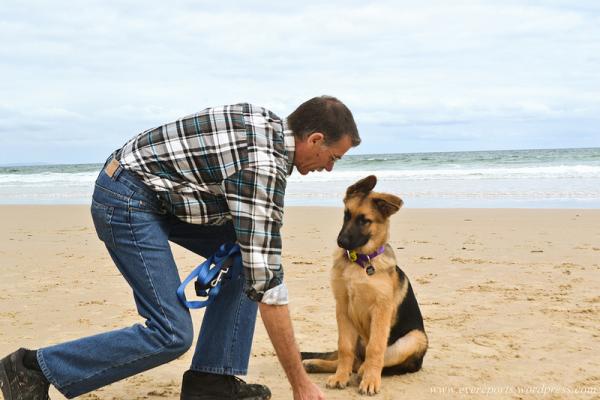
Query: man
point(209, 178)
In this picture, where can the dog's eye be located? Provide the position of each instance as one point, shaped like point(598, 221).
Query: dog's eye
point(346, 215)
point(364, 221)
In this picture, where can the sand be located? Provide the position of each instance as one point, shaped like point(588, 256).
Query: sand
point(510, 298)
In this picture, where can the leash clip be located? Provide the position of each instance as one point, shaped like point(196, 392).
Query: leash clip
point(227, 263)
point(216, 281)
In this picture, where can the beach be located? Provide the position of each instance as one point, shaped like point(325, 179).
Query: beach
point(509, 297)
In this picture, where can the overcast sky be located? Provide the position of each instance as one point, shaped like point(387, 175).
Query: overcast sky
point(80, 78)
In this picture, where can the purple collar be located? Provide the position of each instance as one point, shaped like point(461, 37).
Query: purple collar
point(364, 260)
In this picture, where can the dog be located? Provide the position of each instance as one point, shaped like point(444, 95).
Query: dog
point(380, 326)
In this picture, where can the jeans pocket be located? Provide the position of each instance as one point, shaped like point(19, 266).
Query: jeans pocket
point(102, 217)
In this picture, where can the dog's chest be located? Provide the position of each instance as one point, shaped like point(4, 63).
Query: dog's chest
point(365, 292)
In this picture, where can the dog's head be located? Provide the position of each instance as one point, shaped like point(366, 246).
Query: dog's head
point(366, 216)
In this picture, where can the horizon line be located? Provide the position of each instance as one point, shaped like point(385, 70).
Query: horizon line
point(44, 163)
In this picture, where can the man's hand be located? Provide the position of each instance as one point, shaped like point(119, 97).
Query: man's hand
point(279, 327)
point(310, 392)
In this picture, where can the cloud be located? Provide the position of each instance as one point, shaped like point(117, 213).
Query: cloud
point(111, 69)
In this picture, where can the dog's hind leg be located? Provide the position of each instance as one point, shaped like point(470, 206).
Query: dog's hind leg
point(405, 354)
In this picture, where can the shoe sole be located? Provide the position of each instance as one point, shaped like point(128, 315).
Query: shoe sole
point(221, 398)
point(4, 381)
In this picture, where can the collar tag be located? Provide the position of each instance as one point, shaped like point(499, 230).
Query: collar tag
point(352, 255)
point(364, 260)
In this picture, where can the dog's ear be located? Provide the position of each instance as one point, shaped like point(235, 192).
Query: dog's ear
point(364, 186)
point(387, 204)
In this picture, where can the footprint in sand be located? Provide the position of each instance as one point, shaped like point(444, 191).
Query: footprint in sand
point(161, 393)
point(461, 260)
point(424, 280)
point(92, 302)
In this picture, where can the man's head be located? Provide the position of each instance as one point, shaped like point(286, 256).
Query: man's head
point(324, 130)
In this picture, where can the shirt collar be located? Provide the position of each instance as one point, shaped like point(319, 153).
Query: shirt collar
point(290, 146)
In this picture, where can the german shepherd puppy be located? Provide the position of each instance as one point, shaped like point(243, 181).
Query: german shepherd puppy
point(380, 327)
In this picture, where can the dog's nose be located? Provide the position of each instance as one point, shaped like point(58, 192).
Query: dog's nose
point(343, 242)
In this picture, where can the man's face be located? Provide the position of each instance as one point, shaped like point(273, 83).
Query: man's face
point(312, 154)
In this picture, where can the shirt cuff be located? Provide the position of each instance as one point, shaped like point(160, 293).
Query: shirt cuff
point(277, 295)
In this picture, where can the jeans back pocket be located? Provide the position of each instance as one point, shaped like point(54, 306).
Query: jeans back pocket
point(102, 217)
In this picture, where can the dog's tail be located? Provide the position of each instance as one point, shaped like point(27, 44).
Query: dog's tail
point(330, 355)
point(319, 362)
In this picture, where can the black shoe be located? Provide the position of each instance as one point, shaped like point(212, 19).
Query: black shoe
point(204, 386)
point(19, 382)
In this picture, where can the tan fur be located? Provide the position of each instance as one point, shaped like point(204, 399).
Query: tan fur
point(366, 308)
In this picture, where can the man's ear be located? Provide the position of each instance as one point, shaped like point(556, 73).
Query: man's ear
point(315, 138)
point(362, 187)
point(387, 204)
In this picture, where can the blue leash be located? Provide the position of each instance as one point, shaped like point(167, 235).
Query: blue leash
point(208, 280)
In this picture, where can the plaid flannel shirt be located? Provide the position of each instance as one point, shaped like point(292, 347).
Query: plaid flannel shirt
point(220, 164)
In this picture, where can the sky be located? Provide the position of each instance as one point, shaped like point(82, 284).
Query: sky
point(78, 79)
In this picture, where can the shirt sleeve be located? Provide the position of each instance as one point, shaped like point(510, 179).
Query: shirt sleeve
point(255, 199)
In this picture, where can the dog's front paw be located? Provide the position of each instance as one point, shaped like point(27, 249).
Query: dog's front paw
point(338, 381)
point(370, 384)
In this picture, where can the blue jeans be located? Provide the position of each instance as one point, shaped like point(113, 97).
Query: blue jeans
point(132, 222)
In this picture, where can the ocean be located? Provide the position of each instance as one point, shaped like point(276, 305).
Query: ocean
point(556, 178)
